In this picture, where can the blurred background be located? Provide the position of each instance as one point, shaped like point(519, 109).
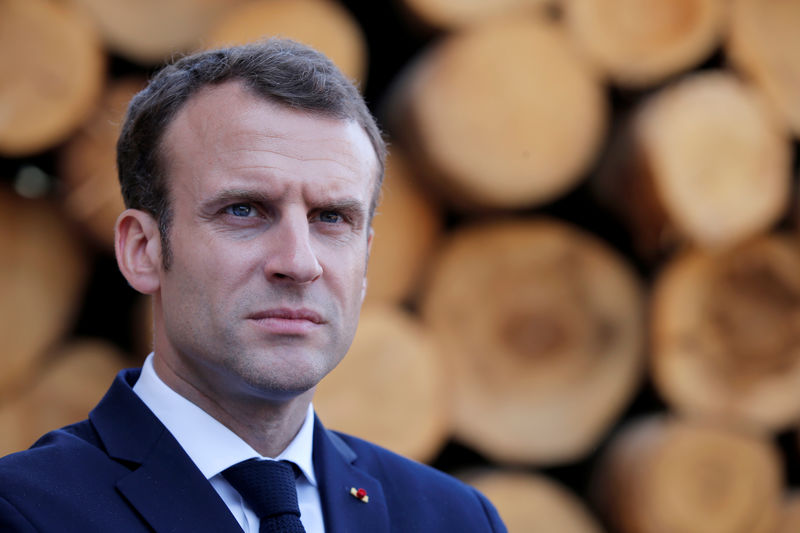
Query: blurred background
point(584, 293)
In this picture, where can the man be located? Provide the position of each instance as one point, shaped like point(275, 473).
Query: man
point(251, 176)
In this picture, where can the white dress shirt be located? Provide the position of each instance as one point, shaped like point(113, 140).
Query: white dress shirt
point(213, 448)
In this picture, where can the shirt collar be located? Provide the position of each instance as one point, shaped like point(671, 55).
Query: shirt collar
point(212, 446)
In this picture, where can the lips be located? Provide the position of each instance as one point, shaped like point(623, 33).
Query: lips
point(287, 321)
point(289, 314)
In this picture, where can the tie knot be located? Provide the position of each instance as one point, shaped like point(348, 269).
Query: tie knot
point(267, 486)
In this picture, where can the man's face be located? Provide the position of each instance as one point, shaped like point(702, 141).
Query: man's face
point(270, 237)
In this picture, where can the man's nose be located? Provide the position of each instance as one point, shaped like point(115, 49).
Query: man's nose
point(291, 256)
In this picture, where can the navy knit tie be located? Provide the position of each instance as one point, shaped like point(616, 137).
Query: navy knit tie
point(268, 487)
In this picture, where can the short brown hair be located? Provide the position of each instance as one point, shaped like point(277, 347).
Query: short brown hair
point(280, 70)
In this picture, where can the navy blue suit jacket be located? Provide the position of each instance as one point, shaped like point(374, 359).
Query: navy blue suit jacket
point(122, 471)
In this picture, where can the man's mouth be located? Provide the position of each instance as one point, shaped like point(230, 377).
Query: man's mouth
point(287, 321)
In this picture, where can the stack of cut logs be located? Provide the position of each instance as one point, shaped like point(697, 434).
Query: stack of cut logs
point(584, 289)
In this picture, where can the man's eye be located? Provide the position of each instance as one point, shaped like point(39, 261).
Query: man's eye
point(330, 217)
point(240, 210)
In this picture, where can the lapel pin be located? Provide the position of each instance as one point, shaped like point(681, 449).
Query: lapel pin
point(359, 494)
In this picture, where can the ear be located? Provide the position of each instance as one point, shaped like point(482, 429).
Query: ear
point(369, 249)
point(137, 244)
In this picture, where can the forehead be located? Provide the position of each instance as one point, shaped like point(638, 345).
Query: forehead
point(228, 126)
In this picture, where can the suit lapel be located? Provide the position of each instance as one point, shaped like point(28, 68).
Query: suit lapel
point(173, 495)
point(164, 486)
point(336, 476)
point(167, 489)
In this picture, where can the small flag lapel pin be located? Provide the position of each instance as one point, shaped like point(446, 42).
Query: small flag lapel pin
point(359, 494)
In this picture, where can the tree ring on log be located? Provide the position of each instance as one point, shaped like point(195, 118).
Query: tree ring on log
point(726, 333)
point(504, 114)
point(543, 330)
point(661, 475)
point(52, 70)
point(721, 166)
point(639, 44)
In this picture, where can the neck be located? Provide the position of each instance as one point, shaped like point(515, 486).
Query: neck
point(267, 425)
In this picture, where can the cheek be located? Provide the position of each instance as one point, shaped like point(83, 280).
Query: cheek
point(343, 291)
point(351, 270)
point(213, 264)
point(357, 287)
point(200, 280)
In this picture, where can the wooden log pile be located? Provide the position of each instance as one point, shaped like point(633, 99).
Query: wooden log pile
point(584, 290)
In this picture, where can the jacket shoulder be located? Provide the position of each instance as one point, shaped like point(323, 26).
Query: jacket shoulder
point(66, 440)
point(370, 455)
point(56, 453)
point(423, 491)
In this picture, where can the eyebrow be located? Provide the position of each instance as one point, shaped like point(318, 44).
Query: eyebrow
point(353, 206)
point(239, 195)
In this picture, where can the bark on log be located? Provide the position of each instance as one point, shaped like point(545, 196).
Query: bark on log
point(764, 43)
point(78, 376)
point(455, 14)
point(542, 328)
point(88, 164)
point(662, 475)
point(639, 44)
point(726, 333)
point(391, 388)
point(322, 24)
point(52, 67)
point(702, 161)
point(407, 224)
point(149, 32)
point(504, 114)
point(43, 270)
point(533, 503)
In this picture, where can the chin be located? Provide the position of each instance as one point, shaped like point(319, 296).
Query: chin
point(287, 383)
